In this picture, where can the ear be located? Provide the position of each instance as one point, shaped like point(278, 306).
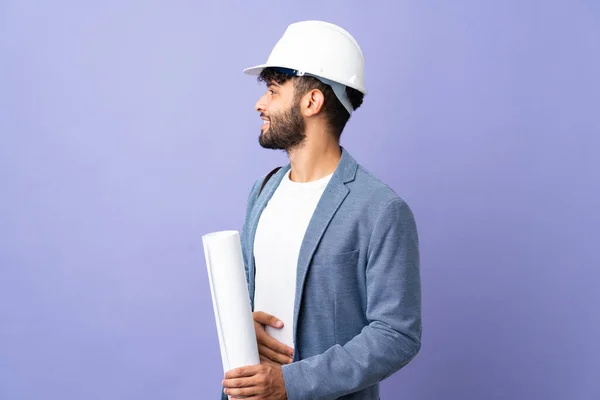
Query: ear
point(313, 102)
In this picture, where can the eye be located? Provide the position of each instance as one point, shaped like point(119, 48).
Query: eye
point(271, 91)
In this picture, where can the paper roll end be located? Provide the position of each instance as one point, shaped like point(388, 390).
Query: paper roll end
point(220, 234)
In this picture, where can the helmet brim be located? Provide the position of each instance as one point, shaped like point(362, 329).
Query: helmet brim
point(256, 70)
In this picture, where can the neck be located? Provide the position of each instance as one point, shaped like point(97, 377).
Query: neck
point(314, 159)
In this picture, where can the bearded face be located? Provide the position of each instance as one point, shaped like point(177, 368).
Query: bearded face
point(283, 129)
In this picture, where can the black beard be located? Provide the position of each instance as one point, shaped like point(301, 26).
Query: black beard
point(285, 131)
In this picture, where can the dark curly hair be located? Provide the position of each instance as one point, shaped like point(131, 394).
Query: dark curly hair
point(336, 114)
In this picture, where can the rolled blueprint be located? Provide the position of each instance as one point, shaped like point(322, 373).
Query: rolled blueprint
point(231, 303)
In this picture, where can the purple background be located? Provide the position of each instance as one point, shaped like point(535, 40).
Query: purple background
point(128, 132)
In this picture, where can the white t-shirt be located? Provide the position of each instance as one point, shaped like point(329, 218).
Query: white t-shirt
point(279, 235)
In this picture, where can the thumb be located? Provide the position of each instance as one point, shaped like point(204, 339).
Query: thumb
point(267, 319)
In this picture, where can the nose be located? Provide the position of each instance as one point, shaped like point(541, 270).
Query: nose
point(261, 104)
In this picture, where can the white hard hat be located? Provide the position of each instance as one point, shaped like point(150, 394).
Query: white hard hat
point(322, 50)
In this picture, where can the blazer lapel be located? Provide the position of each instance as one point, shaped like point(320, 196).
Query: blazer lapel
point(335, 193)
point(258, 208)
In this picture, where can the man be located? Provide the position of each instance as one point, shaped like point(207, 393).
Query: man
point(331, 252)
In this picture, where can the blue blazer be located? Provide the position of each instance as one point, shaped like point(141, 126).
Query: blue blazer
point(357, 314)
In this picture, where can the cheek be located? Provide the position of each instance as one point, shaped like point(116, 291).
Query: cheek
point(274, 115)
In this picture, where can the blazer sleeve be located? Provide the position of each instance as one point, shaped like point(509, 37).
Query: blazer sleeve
point(393, 336)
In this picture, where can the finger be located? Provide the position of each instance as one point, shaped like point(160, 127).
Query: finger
point(259, 329)
point(274, 356)
point(267, 340)
point(267, 319)
point(238, 382)
point(243, 372)
point(243, 392)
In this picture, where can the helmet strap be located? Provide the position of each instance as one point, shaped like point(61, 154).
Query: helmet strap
point(340, 92)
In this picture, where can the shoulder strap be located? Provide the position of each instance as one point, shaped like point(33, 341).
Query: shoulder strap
point(269, 175)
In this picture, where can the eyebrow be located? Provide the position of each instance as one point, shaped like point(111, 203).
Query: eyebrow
point(273, 84)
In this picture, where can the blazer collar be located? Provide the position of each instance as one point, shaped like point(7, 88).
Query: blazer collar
point(345, 171)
